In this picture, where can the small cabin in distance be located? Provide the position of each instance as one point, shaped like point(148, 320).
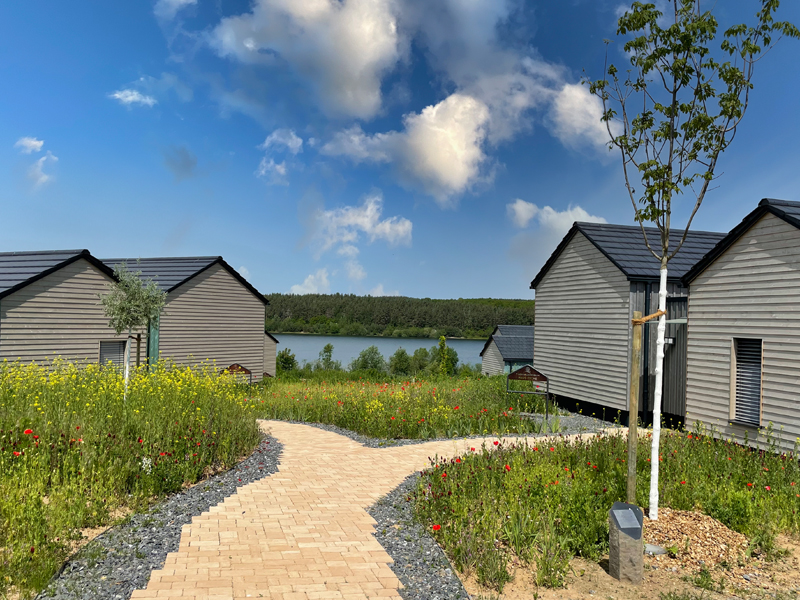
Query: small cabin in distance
point(508, 348)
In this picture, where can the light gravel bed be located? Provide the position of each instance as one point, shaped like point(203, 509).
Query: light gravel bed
point(119, 561)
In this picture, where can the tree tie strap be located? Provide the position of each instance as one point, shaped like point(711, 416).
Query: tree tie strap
point(644, 320)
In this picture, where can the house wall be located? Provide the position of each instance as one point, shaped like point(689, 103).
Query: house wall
point(58, 316)
point(751, 291)
point(213, 317)
point(492, 363)
point(270, 356)
point(583, 326)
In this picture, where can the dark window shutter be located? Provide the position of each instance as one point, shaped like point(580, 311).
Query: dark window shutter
point(748, 381)
point(113, 352)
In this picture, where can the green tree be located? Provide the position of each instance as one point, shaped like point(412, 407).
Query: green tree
point(326, 362)
point(370, 359)
point(131, 304)
point(400, 362)
point(671, 116)
point(443, 358)
point(286, 361)
point(420, 360)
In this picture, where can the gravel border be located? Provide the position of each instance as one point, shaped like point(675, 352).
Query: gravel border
point(120, 560)
point(569, 424)
point(419, 562)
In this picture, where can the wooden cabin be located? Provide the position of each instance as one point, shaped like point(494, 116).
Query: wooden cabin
point(586, 294)
point(507, 349)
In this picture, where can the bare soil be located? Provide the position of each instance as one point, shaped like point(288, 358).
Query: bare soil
point(698, 542)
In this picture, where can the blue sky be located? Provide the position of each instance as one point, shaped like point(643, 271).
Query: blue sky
point(431, 148)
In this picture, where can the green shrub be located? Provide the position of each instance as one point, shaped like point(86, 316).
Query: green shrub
point(370, 359)
point(285, 361)
point(400, 363)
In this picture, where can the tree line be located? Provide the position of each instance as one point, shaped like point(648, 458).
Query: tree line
point(393, 316)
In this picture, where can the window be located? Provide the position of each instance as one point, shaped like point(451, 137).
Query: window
point(113, 352)
point(747, 386)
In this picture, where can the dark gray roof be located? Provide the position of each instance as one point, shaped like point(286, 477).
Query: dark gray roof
point(783, 209)
point(515, 342)
point(18, 269)
point(172, 272)
point(624, 246)
point(167, 273)
point(515, 330)
point(514, 348)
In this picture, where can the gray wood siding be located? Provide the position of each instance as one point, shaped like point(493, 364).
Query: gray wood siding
point(492, 363)
point(57, 316)
point(270, 356)
point(751, 291)
point(215, 318)
point(583, 326)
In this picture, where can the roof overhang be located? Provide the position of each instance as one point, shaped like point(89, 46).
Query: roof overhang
point(764, 207)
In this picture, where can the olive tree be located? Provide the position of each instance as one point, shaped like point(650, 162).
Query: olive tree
point(130, 304)
point(671, 115)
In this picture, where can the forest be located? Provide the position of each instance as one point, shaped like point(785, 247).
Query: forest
point(393, 316)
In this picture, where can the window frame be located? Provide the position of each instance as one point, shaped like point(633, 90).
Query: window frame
point(733, 381)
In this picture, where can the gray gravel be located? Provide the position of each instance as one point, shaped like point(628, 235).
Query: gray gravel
point(120, 560)
point(419, 562)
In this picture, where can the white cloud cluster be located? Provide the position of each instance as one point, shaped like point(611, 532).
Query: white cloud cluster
point(283, 138)
point(439, 149)
point(280, 140)
point(379, 291)
point(274, 173)
point(342, 47)
point(558, 222)
point(130, 97)
point(316, 283)
point(27, 145)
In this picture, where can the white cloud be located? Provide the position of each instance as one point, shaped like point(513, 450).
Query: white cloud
point(345, 226)
point(576, 117)
point(130, 97)
point(273, 172)
point(285, 138)
point(548, 218)
point(439, 150)
point(27, 145)
point(521, 212)
point(342, 47)
point(316, 283)
point(244, 272)
point(379, 291)
point(167, 9)
point(36, 171)
point(355, 271)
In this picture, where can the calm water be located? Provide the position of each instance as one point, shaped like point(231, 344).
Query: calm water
point(345, 349)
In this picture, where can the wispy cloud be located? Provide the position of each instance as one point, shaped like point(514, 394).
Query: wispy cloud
point(28, 145)
point(379, 291)
point(36, 171)
point(272, 172)
point(244, 272)
point(316, 283)
point(131, 97)
point(285, 139)
point(167, 9)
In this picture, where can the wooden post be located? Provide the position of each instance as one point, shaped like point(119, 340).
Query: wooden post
point(138, 350)
point(633, 407)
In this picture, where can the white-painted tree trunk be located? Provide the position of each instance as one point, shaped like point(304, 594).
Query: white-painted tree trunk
point(127, 364)
point(654, 450)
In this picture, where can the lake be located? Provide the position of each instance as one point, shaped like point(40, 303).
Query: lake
point(345, 348)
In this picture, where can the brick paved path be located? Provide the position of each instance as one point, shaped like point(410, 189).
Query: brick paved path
point(302, 533)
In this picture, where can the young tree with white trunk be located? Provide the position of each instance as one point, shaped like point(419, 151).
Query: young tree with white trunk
point(131, 304)
point(671, 116)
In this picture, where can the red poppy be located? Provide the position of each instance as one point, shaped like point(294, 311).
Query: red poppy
point(17, 453)
point(749, 485)
point(473, 449)
point(437, 527)
point(683, 483)
point(458, 460)
point(456, 407)
point(163, 454)
point(552, 449)
point(496, 443)
point(392, 418)
point(140, 441)
point(77, 428)
point(766, 487)
point(444, 474)
point(507, 468)
point(28, 431)
point(36, 437)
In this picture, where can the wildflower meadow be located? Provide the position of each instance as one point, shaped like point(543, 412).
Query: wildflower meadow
point(543, 504)
point(72, 452)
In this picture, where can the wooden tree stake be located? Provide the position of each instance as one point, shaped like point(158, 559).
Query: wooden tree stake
point(633, 407)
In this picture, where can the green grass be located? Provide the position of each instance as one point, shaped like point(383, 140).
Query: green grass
point(398, 409)
point(546, 504)
point(71, 451)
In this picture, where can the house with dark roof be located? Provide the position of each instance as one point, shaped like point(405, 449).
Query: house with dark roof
point(586, 294)
point(744, 329)
point(49, 307)
point(507, 349)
